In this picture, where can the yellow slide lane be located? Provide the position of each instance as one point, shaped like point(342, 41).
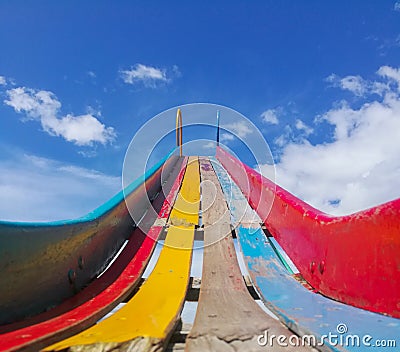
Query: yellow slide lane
point(155, 308)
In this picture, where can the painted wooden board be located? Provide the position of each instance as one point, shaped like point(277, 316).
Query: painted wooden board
point(227, 318)
point(148, 319)
point(303, 311)
point(241, 212)
point(353, 259)
point(107, 291)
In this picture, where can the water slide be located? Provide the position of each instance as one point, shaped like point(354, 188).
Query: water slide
point(59, 279)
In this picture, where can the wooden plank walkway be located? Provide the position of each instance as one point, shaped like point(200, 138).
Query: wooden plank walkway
point(303, 311)
point(227, 318)
point(147, 320)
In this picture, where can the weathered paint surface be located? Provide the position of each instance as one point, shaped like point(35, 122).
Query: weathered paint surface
point(241, 212)
point(303, 311)
point(45, 259)
point(354, 259)
point(227, 317)
point(147, 320)
point(128, 268)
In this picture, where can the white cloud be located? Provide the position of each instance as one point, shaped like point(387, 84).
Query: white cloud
point(209, 145)
point(176, 71)
point(33, 188)
point(397, 6)
point(44, 106)
point(300, 125)
point(270, 116)
point(391, 73)
point(88, 153)
point(148, 75)
point(81, 130)
point(361, 87)
point(93, 111)
point(281, 140)
point(285, 137)
point(360, 168)
point(240, 129)
point(91, 74)
point(3, 81)
point(354, 84)
point(296, 134)
point(226, 137)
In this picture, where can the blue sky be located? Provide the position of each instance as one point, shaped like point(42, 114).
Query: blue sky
point(78, 79)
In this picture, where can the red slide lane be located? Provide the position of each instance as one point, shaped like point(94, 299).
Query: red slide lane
point(75, 320)
point(354, 259)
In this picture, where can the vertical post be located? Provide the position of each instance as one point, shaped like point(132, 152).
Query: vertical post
point(217, 128)
point(179, 131)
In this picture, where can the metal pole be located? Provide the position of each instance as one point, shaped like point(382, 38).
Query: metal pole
point(179, 131)
point(217, 128)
